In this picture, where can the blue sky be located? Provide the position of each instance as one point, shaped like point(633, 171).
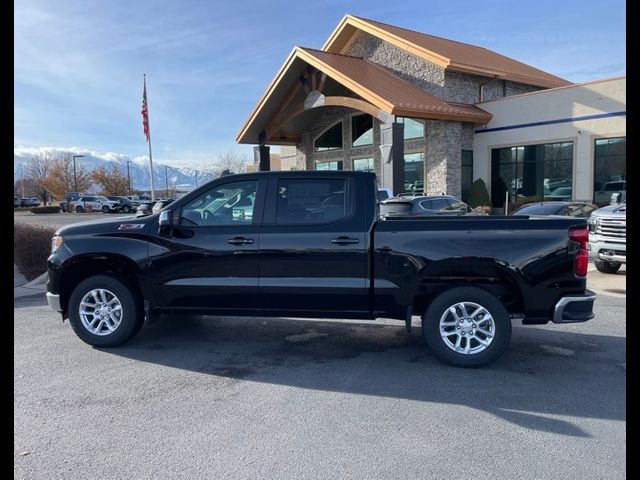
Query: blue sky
point(79, 63)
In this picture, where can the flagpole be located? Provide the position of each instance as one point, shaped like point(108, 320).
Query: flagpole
point(153, 190)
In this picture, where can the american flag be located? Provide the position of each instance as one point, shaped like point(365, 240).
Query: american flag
point(145, 111)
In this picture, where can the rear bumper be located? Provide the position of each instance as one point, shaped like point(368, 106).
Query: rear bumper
point(574, 308)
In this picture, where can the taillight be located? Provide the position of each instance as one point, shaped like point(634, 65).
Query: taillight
point(581, 262)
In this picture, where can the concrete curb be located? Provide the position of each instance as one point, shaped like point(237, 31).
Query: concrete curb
point(19, 292)
point(41, 280)
point(37, 286)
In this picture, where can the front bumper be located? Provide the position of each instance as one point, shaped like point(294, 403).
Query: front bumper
point(609, 251)
point(574, 308)
point(54, 302)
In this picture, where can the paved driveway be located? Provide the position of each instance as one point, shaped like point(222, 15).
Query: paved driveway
point(205, 397)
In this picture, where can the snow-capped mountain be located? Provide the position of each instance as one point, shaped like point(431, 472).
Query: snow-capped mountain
point(183, 177)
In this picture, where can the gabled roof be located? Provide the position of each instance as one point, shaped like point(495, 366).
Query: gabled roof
point(390, 92)
point(448, 54)
point(376, 85)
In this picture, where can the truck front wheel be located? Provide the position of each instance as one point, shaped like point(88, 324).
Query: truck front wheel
point(466, 327)
point(104, 311)
point(607, 267)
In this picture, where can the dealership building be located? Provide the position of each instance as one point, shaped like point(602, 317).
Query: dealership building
point(432, 114)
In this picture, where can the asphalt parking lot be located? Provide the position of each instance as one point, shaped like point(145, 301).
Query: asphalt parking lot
point(206, 397)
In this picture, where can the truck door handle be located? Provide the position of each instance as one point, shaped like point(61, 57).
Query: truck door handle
point(240, 241)
point(344, 240)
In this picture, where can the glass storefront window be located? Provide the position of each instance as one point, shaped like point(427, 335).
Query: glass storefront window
point(414, 172)
point(330, 139)
point(610, 168)
point(335, 165)
point(467, 173)
point(361, 130)
point(412, 128)
point(363, 164)
point(532, 173)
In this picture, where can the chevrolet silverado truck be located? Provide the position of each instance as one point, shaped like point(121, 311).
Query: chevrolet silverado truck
point(608, 235)
point(311, 244)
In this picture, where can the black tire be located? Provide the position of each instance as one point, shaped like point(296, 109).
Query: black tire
point(439, 346)
point(79, 209)
point(126, 209)
point(607, 267)
point(105, 209)
point(132, 311)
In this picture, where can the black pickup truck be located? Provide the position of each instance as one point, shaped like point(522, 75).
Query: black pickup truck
point(312, 244)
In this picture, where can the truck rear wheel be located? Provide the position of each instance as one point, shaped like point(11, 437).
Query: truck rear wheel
point(104, 311)
point(467, 327)
point(607, 267)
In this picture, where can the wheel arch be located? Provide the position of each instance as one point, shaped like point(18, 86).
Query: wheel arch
point(88, 265)
point(488, 274)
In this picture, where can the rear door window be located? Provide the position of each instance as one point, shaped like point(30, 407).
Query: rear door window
point(394, 207)
point(312, 201)
point(440, 204)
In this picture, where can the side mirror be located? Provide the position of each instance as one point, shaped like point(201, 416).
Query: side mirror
point(616, 197)
point(165, 223)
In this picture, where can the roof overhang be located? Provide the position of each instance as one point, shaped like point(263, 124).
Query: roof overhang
point(379, 88)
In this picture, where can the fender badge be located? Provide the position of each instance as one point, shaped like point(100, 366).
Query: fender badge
point(131, 226)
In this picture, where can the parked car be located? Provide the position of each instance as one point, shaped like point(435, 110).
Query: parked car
point(160, 204)
point(559, 194)
point(414, 188)
point(97, 203)
point(608, 235)
point(384, 194)
point(126, 205)
point(16, 201)
point(423, 206)
point(318, 257)
point(144, 208)
point(603, 193)
point(29, 202)
point(571, 209)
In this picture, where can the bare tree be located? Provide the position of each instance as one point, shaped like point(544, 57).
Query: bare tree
point(113, 181)
point(38, 170)
point(232, 162)
point(31, 187)
point(60, 179)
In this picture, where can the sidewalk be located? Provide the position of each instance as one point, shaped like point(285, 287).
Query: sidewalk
point(23, 288)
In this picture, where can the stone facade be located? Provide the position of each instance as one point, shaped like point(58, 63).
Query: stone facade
point(443, 158)
point(423, 74)
point(443, 141)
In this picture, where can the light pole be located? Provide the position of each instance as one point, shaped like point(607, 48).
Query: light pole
point(75, 177)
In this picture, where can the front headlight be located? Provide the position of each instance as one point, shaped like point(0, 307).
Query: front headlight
point(56, 241)
point(593, 224)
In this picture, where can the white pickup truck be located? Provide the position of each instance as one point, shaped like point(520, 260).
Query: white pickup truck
point(96, 203)
point(608, 235)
